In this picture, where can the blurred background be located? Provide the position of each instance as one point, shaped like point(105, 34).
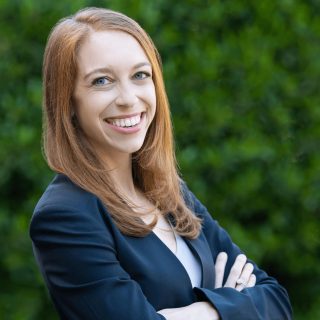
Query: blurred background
point(243, 83)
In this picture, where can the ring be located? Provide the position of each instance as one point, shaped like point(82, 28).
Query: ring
point(240, 281)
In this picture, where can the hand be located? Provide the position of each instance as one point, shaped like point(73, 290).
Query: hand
point(195, 311)
point(240, 276)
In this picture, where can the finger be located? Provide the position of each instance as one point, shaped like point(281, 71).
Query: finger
point(236, 271)
point(242, 281)
point(220, 266)
point(252, 281)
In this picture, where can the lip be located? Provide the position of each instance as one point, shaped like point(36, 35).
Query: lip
point(128, 130)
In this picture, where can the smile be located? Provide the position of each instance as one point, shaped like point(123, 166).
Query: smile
point(127, 124)
point(130, 121)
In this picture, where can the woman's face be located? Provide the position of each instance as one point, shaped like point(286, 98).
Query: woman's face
point(114, 93)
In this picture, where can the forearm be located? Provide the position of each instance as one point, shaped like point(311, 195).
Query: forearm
point(195, 311)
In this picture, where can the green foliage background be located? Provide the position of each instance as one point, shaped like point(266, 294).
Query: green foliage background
point(243, 82)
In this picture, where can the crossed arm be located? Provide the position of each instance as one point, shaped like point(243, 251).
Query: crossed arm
point(240, 277)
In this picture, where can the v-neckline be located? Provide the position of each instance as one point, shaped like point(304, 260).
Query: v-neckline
point(174, 235)
point(194, 246)
point(170, 253)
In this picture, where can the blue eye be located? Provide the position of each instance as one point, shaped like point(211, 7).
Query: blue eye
point(101, 81)
point(141, 75)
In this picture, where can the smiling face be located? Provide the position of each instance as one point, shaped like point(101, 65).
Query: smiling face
point(115, 100)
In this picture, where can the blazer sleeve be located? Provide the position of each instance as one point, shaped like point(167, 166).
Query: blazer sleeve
point(267, 300)
point(78, 260)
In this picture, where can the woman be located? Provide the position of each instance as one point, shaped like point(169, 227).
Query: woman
point(117, 234)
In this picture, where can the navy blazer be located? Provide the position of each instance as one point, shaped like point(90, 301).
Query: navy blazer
point(93, 271)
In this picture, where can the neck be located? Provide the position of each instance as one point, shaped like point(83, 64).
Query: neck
point(121, 173)
point(120, 170)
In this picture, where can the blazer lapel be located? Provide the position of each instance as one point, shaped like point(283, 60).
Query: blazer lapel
point(200, 248)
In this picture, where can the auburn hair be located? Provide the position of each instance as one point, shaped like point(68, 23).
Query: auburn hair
point(68, 151)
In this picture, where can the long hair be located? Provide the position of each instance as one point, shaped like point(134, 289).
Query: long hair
point(68, 151)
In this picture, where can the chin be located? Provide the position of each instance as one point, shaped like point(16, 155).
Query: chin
point(131, 148)
point(134, 149)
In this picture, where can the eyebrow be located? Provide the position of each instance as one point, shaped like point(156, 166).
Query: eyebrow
point(105, 69)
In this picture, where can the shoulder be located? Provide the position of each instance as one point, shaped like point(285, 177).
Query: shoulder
point(209, 224)
point(192, 201)
point(64, 193)
point(65, 207)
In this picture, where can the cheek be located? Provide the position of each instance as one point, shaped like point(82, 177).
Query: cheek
point(87, 115)
point(89, 106)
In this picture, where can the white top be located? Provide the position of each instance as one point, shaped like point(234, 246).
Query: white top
point(189, 261)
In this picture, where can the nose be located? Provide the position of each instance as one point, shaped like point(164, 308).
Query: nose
point(126, 96)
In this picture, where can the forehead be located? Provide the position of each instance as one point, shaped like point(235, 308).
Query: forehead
point(116, 49)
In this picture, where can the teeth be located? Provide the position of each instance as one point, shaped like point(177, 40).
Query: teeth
point(127, 122)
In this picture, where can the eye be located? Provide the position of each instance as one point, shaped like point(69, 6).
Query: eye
point(141, 75)
point(101, 81)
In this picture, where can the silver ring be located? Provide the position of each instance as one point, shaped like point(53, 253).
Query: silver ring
point(240, 281)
